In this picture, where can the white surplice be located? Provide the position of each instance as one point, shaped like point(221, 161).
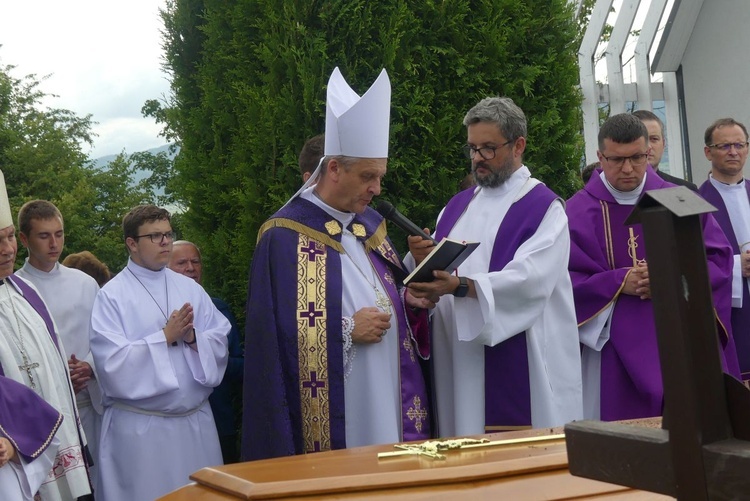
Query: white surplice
point(158, 427)
point(69, 295)
point(372, 390)
point(532, 293)
point(23, 329)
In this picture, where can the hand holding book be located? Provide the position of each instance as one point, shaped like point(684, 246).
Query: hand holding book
point(446, 256)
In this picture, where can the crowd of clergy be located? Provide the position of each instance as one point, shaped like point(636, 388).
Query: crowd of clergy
point(119, 388)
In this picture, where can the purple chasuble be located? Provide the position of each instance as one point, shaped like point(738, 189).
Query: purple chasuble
point(602, 253)
point(26, 419)
point(294, 375)
point(506, 365)
point(740, 316)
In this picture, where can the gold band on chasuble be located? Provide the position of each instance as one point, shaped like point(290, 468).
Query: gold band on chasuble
point(312, 343)
point(610, 261)
point(608, 235)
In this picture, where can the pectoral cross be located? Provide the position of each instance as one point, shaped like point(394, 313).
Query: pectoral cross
point(27, 366)
point(382, 301)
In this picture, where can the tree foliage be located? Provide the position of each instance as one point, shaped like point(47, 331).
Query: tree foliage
point(41, 157)
point(248, 88)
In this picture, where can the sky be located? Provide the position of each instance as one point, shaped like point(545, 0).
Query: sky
point(103, 58)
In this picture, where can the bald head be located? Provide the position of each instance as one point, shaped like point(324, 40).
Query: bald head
point(186, 260)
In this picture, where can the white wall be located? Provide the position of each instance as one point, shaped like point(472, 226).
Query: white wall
point(716, 74)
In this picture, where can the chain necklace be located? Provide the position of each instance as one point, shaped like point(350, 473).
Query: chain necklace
point(18, 340)
point(166, 293)
point(382, 301)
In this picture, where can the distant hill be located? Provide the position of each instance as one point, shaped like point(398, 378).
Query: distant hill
point(103, 161)
point(140, 174)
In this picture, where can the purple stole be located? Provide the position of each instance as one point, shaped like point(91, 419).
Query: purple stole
point(37, 303)
point(506, 365)
point(414, 403)
point(26, 419)
point(740, 316)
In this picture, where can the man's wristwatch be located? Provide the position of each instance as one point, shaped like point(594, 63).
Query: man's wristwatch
point(463, 287)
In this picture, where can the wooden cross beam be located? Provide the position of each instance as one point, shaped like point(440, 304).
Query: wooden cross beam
point(702, 451)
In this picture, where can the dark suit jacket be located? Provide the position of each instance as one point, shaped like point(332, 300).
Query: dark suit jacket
point(676, 180)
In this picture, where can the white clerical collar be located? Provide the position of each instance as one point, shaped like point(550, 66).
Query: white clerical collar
point(726, 187)
point(142, 271)
point(342, 217)
point(624, 197)
point(515, 181)
point(34, 271)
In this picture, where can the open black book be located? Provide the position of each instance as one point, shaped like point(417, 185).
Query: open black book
point(447, 256)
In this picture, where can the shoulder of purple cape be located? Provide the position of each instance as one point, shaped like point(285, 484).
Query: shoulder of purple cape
point(303, 216)
point(26, 419)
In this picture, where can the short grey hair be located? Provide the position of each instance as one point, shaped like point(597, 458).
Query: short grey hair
point(501, 111)
point(345, 161)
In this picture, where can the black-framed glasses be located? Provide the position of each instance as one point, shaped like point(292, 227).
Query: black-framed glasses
point(486, 152)
point(158, 238)
point(727, 147)
point(635, 160)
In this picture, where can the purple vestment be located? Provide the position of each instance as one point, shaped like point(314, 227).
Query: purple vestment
point(601, 248)
point(507, 389)
point(26, 419)
point(740, 316)
point(294, 397)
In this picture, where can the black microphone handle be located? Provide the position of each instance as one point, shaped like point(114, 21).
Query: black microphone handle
point(405, 224)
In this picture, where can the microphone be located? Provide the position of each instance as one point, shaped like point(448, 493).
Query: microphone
point(388, 211)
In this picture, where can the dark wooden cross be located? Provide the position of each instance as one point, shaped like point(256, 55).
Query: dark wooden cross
point(702, 451)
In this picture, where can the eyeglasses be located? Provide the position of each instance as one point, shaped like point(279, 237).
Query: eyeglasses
point(158, 238)
point(486, 152)
point(635, 160)
point(726, 147)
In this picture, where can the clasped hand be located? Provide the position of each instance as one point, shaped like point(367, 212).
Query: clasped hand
point(637, 282)
point(180, 325)
point(745, 263)
point(80, 373)
point(7, 452)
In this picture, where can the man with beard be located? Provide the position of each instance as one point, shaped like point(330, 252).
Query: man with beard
point(507, 317)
